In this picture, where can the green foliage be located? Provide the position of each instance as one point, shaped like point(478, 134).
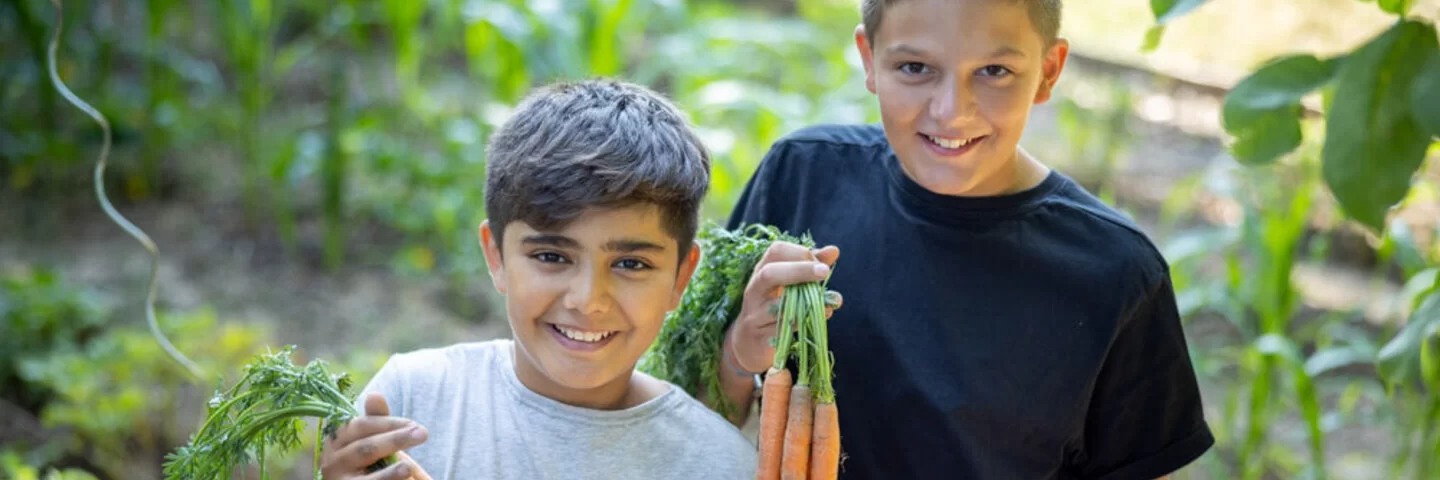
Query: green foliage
point(41, 316)
point(119, 396)
point(1372, 144)
point(1263, 111)
point(687, 350)
point(1403, 361)
point(263, 412)
point(1378, 120)
point(13, 467)
point(1168, 10)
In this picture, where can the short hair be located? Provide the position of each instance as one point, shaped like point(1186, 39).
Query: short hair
point(574, 145)
point(1044, 15)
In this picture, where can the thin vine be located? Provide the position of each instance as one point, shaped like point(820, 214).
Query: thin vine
point(105, 202)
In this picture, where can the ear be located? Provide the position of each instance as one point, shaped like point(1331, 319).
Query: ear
point(684, 274)
point(1054, 62)
point(867, 56)
point(491, 245)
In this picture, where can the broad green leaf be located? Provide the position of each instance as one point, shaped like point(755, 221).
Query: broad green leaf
point(1152, 38)
point(1332, 358)
point(1397, 7)
point(1418, 286)
point(1263, 110)
point(1425, 96)
point(1372, 143)
point(1399, 359)
point(1281, 82)
point(1269, 136)
point(1167, 10)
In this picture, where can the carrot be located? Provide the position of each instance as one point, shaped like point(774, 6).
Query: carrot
point(797, 434)
point(776, 397)
point(825, 443)
point(825, 436)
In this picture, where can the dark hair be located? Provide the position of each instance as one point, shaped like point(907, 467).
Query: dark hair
point(602, 143)
point(1044, 15)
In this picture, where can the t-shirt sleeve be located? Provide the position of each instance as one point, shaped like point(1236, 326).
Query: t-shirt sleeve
point(1145, 418)
point(388, 382)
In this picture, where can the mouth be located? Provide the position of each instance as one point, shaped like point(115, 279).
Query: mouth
point(580, 339)
point(951, 146)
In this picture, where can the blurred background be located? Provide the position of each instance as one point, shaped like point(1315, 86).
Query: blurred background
point(312, 174)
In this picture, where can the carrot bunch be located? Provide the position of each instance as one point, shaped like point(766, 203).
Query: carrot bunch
point(799, 421)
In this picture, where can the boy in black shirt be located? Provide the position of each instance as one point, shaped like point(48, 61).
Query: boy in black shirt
point(999, 321)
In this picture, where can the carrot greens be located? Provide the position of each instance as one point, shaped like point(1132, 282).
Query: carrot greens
point(264, 413)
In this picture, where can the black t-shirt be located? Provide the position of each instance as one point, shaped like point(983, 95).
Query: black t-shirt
point(1026, 336)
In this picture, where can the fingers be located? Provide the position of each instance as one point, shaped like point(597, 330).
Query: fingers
point(416, 471)
point(827, 255)
point(375, 405)
point(398, 471)
point(771, 278)
point(363, 427)
point(371, 448)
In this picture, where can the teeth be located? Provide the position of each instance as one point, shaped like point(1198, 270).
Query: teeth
point(948, 143)
point(583, 336)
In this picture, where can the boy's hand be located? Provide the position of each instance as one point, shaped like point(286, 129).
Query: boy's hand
point(368, 439)
point(749, 339)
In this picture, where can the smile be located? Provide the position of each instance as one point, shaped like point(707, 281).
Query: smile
point(577, 337)
point(952, 143)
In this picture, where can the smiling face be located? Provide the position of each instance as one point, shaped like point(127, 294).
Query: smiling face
point(586, 300)
point(955, 81)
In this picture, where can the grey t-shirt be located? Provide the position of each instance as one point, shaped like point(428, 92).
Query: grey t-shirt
point(484, 423)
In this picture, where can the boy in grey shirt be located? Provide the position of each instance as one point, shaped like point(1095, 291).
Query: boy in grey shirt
point(593, 193)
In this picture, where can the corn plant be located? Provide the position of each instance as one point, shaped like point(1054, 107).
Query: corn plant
point(1380, 117)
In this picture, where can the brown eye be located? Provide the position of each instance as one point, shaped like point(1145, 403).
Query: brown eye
point(994, 71)
point(632, 264)
point(913, 68)
point(549, 257)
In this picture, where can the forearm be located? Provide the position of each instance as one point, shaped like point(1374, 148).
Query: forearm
point(736, 386)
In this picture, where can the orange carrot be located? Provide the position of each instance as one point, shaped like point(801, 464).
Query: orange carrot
point(773, 407)
point(797, 434)
point(825, 443)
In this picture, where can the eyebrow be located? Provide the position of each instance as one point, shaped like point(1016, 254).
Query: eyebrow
point(1003, 51)
point(1007, 51)
point(622, 246)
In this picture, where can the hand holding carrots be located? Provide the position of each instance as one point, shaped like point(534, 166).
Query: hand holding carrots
point(368, 439)
point(799, 419)
point(784, 264)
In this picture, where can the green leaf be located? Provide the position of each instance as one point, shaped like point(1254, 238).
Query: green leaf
point(1263, 110)
point(1167, 10)
point(1268, 136)
point(1397, 7)
point(1425, 96)
point(1372, 143)
point(1399, 359)
point(1280, 83)
point(1152, 38)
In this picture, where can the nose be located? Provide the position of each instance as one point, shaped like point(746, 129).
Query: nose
point(953, 101)
point(589, 293)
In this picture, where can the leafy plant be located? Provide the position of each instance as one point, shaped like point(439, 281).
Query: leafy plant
point(687, 350)
point(263, 412)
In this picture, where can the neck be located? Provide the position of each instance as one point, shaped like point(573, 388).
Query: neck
point(623, 392)
point(1019, 173)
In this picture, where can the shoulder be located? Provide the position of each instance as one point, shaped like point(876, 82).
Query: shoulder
point(725, 450)
point(427, 368)
point(827, 144)
point(1108, 235)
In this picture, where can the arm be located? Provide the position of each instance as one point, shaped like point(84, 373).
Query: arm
point(746, 350)
point(1145, 418)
